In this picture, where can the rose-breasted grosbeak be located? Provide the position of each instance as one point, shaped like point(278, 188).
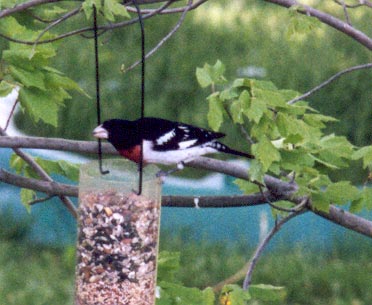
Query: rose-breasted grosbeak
point(164, 142)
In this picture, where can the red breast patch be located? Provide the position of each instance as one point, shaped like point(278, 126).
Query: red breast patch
point(133, 154)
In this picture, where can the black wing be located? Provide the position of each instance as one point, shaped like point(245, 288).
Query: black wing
point(168, 135)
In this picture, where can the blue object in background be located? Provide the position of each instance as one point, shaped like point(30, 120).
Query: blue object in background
point(51, 224)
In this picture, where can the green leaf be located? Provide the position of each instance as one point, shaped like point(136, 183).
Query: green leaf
point(256, 171)
point(281, 204)
point(266, 153)
point(203, 77)
point(364, 153)
point(59, 167)
point(339, 146)
point(40, 105)
point(55, 79)
point(299, 24)
point(17, 163)
point(210, 75)
point(50, 13)
point(6, 88)
point(256, 110)
point(183, 295)
point(295, 160)
point(168, 265)
point(320, 202)
point(268, 293)
point(246, 187)
point(111, 8)
point(365, 201)
point(234, 295)
point(318, 120)
point(229, 94)
point(341, 192)
point(240, 106)
point(272, 98)
point(27, 196)
point(88, 7)
point(28, 78)
point(215, 112)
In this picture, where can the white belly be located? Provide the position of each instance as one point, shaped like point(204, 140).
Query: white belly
point(174, 156)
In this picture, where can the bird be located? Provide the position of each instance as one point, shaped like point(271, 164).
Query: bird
point(164, 142)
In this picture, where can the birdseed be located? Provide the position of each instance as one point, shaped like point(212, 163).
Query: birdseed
point(117, 249)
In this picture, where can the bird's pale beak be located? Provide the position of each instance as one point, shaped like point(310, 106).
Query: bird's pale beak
point(100, 132)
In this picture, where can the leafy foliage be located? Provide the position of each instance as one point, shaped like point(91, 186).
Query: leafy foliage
point(42, 89)
point(172, 292)
point(51, 167)
point(109, 8)
point(287, 138)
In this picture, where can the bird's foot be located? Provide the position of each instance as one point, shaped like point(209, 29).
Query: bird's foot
point(163, 174)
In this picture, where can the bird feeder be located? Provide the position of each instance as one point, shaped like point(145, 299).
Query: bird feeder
point(118, 235)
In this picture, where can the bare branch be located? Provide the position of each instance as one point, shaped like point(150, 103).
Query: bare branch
point(38, 200)
point(171, 10)
point(246, 271)
point(328, 81)
point(24, 6)
point(33, 3)
point(342, 3)
point(278, 189)
point(262, 245)
point(53, 188)
point(106, 27)
point(10, 115)
point(47, 187)
point(56, 22)
point(347, 17)
point(332, 21)
point(43, 174)
point(165, 38)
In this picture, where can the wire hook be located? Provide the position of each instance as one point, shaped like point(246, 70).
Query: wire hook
point(98, 99)
point(140, 167)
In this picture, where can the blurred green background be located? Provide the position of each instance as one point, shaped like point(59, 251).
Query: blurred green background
point(249, 37)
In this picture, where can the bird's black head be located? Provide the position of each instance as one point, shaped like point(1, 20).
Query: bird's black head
point(120, 133)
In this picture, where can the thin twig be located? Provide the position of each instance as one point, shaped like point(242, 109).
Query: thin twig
point(164, 39)
point(328, 81)
point(347, 17)
point(298, 207)
point(39, 200)
point(366, 3)
point(110, 26)
point(55, 23)
point(348, 5)
point(171, 10)
point(262, 245)
point(42, 174)
point(328, 19)
point(10, 115)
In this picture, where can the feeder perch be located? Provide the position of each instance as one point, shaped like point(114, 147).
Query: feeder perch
point(118, 236)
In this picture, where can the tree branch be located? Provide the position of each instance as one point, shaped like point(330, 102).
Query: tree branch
point(33, 3)
point(328, 81)
point(247, 270)
point(165, 38)
point(327, 19)
point(278, 189)
point(262, 245)
point(24, 6)
point(43, 175)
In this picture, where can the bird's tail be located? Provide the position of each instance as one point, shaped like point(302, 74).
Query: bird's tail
point(227, 150)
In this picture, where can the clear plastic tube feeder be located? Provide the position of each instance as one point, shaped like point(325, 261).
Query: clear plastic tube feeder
point(118, 235)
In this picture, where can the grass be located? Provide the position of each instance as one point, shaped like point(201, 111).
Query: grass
point(38, 276)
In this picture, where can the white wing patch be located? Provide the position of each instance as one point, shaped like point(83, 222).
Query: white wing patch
point(187, 144)
point(165, 137)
